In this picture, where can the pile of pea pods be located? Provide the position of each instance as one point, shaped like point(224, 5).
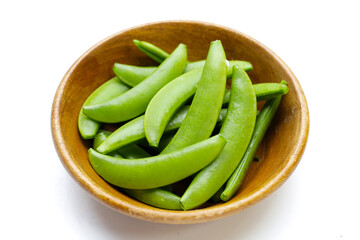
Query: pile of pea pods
point(178, 121)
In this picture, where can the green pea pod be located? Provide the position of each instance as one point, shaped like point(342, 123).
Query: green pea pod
point(263, 91)
point(151, 50)
point(134, 102)
point(237, 129)
point(157, 171)
point(162, 107)
point(155, 197)
point(200, 121)
point(160, 55)
point(132, 151)
point(133, 130)
point(100, 138)
point(263, 121)
point(247, 66)
point(175, 124)
point(109, 90)
point(132, 75)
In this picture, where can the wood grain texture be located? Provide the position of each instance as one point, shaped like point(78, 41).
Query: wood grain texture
point(280, 151)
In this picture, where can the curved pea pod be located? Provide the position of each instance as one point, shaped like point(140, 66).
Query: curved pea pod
point(237, 129)
point(132, 151)
point(100, 138)
point(134, 102)
point(160, 55)
point(128, 133)
point(200, 121)
point(109, 90)
point(263, 121)
point(132, 75)
point(151, 50)
point(133, 130)
point(161, 170)
point(156, 197)
point(162, 107)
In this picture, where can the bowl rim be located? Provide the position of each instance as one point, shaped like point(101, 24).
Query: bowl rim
point(166, 216)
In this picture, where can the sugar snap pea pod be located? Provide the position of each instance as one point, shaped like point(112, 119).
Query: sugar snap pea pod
point(134, 102)
point(128, 133)
point(160, 55)
point(237, 129)
point(133, 130)
point(263, 91)
point(109, 90)
point(132, 75)
point(157, 171)
point(206, 105)
point(132, 151)
point(247, 66)
point(162, 107)
point(151, 50)
point(262, 124)
point(100, 138)
point(176, 122)
point(155, 197)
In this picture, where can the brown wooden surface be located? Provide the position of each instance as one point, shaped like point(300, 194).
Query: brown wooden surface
point(280, 151)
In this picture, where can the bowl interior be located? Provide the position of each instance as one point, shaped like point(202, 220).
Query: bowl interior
point(279, 153)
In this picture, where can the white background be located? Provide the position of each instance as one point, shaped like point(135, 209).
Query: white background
point(319, 40)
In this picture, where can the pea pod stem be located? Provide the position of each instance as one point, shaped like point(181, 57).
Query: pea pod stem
point(263, 121)
point(168, 168)
point(237, 129)
point(134, 102)
point(206, 105)
point(107, 91)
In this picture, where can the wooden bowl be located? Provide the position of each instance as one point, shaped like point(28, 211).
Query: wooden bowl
point(280, 151)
